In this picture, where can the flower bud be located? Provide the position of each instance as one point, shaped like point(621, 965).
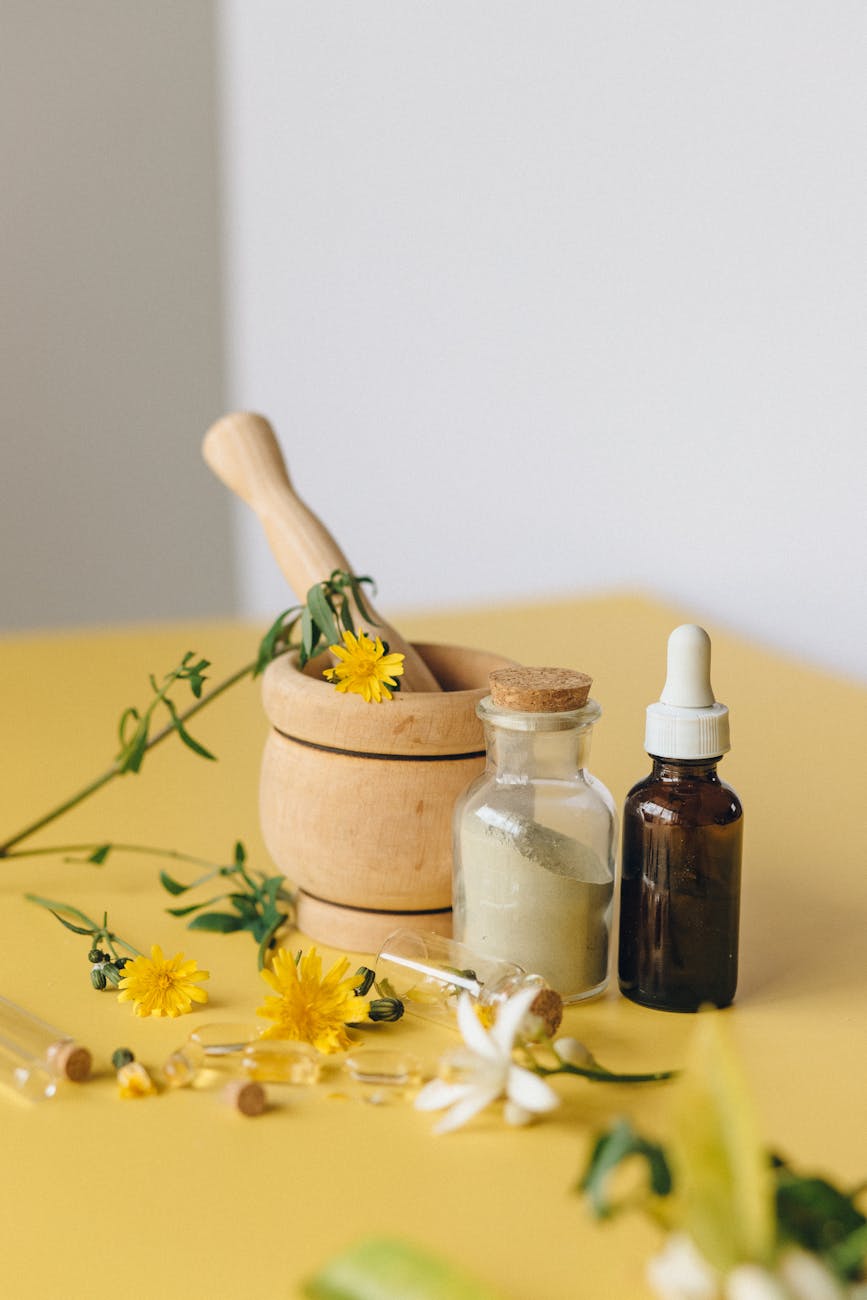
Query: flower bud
point(366, 978)
point(96, 954)
point(122, 1056)
point(97, 977)
point(385, 1009)
point(112, 974)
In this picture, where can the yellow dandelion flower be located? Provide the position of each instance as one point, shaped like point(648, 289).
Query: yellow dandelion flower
point(133, 1081)
point(309, 1007)
point(160, 987)
point(364, 668)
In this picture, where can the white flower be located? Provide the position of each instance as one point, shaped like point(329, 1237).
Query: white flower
point(681, 1272)
point(487, 1070)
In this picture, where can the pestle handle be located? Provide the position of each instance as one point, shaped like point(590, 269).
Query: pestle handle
point(243, 452)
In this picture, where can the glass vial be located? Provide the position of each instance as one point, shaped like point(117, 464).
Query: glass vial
point(210, 1046)
point(428, 972)
point(682, 835)
point(45, 1046)
point(534, 835)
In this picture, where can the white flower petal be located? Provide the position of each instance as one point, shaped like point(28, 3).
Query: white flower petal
point(529, 1091)
point(438, 1094)
point(516, 1115)
point(473, 1033)
point(751, 1282)
point(464, 1110)
point(509, 1017)
point(807, 1277)
point(681, 1272)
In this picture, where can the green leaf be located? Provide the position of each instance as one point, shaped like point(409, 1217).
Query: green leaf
point(279, 631)
point(173, 886)
point(346, 615)
point(322, 613)
point(724, 1183)
point(381, 1268)
point(244, 906)
point(610, 1150)
point(817, 1216)
point(364, 611)
point(194, 907)
point(307, 633)
point(185, 736)
point(194, 673)
point(218, 922)
point(76, 929)
point(98, 856)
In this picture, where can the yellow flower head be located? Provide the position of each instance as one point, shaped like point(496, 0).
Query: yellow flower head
point(364, 668)
point(309, 1007)
point(133, 1081)
point(158, 987)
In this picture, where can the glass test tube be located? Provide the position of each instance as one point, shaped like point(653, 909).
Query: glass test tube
point(428, 972)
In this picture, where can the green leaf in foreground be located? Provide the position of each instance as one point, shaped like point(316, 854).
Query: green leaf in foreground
point(383, 1268)
point(610, 1151)
point(218, 922)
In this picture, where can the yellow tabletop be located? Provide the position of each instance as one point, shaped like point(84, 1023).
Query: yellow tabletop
point(177, 1196)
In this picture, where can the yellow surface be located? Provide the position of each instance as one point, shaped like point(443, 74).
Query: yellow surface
point(178, 1197)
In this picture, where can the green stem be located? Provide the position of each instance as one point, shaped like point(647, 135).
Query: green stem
point(605, 1076)
point(100, 933)
point(115, 848)
point(116, 769)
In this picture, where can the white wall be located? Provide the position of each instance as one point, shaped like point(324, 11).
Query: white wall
point(550, 297)
point(110, 314)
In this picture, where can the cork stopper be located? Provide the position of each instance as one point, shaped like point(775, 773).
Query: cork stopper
point(548, 1006)
point(245, 1096)
point(71, 1060)
point(539, 690)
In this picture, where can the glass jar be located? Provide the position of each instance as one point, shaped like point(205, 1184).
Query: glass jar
point(534, 835)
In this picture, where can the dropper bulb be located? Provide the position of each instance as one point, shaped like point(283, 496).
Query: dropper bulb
point(687, 683)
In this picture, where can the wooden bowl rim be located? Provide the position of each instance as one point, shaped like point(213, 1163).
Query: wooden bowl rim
point(305, 707)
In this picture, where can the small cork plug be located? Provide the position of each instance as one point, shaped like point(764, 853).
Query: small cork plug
point(539, 690)
point(245, 1096)
point(71, 1060)
point(548, 1006)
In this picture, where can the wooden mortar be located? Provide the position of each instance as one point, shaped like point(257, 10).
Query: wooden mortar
point(356, 799)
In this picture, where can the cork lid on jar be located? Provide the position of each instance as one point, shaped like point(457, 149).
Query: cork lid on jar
point(539, 690)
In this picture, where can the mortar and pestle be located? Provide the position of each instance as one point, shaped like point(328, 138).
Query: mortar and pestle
point(356, 799)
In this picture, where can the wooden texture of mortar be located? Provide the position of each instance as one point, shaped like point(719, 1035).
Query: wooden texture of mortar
point(357, 799)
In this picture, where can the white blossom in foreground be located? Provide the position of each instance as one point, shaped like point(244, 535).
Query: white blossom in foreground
point(486, 1071)
point(680, 1272)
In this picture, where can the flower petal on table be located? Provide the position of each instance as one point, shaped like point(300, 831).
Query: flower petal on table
point(509, 1018)
point(473, 1033)
point(529, 1091)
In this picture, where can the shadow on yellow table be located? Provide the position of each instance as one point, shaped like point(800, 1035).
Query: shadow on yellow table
point(178, 1195)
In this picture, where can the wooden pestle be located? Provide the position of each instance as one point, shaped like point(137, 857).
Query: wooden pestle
point(243, 452)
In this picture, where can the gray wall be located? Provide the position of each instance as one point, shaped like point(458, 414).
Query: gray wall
point(110, 344)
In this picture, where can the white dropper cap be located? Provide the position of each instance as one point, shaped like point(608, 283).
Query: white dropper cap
point(687, 723)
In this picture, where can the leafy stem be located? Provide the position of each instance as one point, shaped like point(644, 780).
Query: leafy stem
point(132, 753)
point(98, 933)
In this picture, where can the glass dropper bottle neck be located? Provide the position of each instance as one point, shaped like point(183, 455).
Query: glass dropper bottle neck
point(685, 769)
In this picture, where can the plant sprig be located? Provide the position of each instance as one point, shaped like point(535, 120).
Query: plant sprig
point(106, 968)
point(811, 1213)
point(326, 610)
point(254, 900)
point(320, 621)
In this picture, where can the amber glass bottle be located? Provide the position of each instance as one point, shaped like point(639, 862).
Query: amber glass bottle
point(680, 888)
point(682, 834)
